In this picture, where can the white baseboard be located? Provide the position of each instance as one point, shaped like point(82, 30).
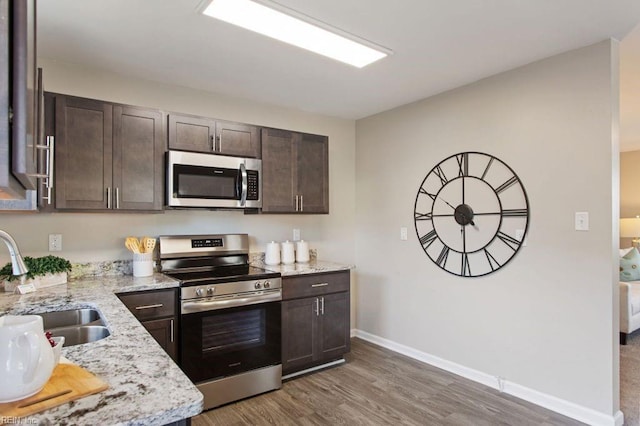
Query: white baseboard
point(561, 406)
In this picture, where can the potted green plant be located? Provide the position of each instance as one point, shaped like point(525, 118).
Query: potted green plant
point(43, 272)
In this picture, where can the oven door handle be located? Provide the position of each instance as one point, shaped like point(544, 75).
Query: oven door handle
point(189, 307)
point(244, 185)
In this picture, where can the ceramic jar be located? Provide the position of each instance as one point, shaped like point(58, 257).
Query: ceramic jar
point(302, 251)
point(288, 253)
point(26, 357)
point(272, 255)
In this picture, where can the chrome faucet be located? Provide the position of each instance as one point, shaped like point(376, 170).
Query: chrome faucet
point(17, 264)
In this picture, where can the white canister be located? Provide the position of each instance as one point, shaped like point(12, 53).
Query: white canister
point(272, 255)
point(302, 251)
point(142, 264)
point(288, 253)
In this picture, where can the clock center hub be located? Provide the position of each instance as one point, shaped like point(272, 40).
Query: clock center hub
point(463, 214)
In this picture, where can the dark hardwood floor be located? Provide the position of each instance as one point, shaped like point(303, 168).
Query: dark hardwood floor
point(377, 386)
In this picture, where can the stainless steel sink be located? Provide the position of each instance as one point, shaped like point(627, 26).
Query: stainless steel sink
point(72, 317)
point(77, 326)
point(81, 334)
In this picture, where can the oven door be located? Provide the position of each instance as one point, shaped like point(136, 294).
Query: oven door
point(229, 341)
point(215, 181)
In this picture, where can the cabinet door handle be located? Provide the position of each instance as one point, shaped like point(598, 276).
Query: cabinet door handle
point(171, 331)
point(301, 203)
point(322, 305)
point(320, 285)
point(219, 137)
point(157, 305)
point(108, 197)
point(317, 307)
point(117, 198)
point(296, 203)
point(213, 143)
point(48, 174)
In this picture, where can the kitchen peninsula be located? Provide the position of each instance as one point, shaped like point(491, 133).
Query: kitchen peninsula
point(145, 385)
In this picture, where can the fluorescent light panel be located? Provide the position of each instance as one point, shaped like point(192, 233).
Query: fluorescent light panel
point(276, 24)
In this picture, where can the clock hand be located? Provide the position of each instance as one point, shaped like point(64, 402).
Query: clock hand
point(447, 203)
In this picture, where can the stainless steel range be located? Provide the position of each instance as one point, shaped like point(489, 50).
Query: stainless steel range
point(230, 344)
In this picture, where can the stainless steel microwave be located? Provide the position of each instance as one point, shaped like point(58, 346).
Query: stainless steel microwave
point(213, 181)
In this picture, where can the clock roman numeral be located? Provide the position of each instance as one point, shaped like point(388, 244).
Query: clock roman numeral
point(466, 268)
point(442, 258)
point(424, 191)
point(509, 240)
point(423, 216)
point(507, 184)
point(486, 170)
point(493, 263)
point(463, 164)
point(440, 173)
point(427, 239)
point(515, 212)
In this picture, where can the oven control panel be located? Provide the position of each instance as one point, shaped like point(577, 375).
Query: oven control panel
point(206, 242)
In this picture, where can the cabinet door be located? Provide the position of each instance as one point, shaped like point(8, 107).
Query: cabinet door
point(299, 333)
point(334, 328)
point(83, 157)
point(278, 171)
point(313, 174)
point(138, 158)
point(241, 140)
point(163, 331)
point(190, 133)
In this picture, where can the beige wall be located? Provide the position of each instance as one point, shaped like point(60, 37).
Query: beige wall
point(100, 236)
point(546, 320)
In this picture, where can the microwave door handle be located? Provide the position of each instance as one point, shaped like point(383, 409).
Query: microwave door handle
point(243, 194)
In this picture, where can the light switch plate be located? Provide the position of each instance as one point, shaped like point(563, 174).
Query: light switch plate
point(403, 233)
point(582, 221)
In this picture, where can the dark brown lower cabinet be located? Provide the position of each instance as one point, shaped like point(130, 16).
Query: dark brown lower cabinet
point(164, 331)
point(315, 330)
point(157, 312)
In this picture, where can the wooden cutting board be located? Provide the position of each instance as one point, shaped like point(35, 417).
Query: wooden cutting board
point(67, 383)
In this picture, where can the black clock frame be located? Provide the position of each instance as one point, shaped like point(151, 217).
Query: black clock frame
point(463, 214)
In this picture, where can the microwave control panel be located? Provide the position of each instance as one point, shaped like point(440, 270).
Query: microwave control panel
point(252, 185)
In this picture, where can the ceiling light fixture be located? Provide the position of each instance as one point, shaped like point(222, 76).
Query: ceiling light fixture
point(291, 27)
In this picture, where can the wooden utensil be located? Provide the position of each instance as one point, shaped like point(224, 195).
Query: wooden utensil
point(68, 382)
point(133, 244)
point(148, 244)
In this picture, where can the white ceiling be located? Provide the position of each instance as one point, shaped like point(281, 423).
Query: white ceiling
point(438, 45)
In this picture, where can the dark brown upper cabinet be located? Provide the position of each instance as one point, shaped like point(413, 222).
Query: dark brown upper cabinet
point(295, 170)
point(107, 156)
point(200, 134)
point(18, 99)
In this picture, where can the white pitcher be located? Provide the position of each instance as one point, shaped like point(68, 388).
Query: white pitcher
point(26, 357)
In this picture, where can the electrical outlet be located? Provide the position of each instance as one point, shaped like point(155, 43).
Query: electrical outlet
point(55, 242)
point(296, 234)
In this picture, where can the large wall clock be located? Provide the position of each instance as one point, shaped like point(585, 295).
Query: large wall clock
point(471, 214)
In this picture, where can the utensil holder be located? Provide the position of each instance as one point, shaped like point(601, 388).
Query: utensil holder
point(142, 264)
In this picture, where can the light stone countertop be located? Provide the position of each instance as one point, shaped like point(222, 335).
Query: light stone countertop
point(145, 386)
point(312, 267)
